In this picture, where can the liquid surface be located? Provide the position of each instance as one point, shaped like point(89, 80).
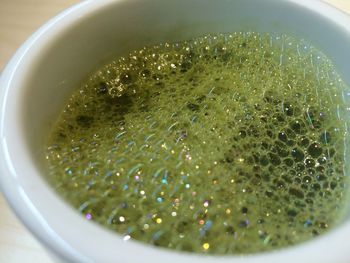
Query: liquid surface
point(223, 144)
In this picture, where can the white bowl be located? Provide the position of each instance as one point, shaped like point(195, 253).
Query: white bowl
point(52, 62)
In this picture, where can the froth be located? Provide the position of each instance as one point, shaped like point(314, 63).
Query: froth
point(221, 144)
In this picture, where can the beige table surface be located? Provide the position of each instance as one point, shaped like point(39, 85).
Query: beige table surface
point(18, 19)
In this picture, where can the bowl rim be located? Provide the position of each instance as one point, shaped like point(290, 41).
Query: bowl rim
point(19, 192)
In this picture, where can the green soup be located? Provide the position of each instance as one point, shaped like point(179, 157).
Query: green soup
point(223, 144)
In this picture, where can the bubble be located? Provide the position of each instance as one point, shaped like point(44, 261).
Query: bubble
point(308, 223)
point(322, 160)
point(315, 150)
point(230, 230)
point(296, 192)
point(288, 109)
point(292, 213)
point(193, 107)
point(323, 225)
point(333, 185)
point(125, 78)
point(283, 137)
point(297, 154)
point(84, 121)
point(321, 177)
point(274, 159)
point(316, 187)
point(145, 73)
point(288, 161)
point(243, 224)
point(304, 142)
point(264, 160)
point(102, 88)
point(307, 179)
point(309, 163)
point(280, 184)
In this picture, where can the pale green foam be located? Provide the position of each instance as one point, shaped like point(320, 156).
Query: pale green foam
point(222, 144)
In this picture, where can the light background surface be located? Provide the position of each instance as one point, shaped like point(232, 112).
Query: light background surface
point(18, 20)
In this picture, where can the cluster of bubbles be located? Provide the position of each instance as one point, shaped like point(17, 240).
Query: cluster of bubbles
point(222, 144)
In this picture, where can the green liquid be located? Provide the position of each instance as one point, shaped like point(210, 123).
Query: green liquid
point(223, 144)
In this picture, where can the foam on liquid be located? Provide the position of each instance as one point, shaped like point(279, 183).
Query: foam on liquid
point(221, 144)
